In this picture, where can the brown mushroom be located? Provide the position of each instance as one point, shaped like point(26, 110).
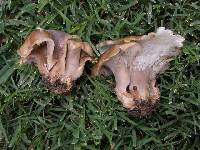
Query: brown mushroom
point(135, 62)
point(60, 57)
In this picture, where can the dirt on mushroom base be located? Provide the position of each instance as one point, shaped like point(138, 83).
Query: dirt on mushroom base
point(57, 86)
point(143, 108)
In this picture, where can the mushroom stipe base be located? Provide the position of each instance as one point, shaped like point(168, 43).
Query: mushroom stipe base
point(143, 108)
point(57, 86)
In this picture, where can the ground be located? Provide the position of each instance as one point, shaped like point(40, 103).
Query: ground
point(91, 117)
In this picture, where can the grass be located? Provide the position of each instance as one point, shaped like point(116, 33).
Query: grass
point(91, 117)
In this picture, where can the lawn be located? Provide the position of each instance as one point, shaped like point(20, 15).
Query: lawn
point(91, 117)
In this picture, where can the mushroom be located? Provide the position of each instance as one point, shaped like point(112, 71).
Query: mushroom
point(135, 62)
point(59, 57)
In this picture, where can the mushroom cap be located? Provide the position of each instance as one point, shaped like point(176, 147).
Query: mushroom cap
point(109, 49)
point(59, 57)
point(135, 62)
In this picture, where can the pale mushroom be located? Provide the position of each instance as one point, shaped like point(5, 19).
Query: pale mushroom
point(60, 57)
point(135, 62)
